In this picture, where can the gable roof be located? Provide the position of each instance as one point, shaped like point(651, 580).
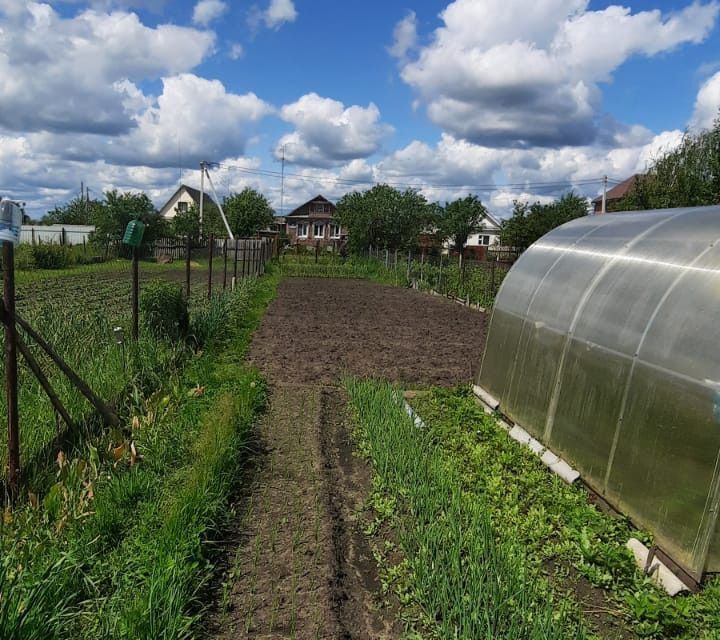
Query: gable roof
point(193, 193)
point(620, 190)
point(303, 209)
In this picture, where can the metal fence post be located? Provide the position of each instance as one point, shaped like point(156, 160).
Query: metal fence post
point(225, 258)
point(187, 267)
point(135, 294)
point(237, 244)
point(211, 247)
point(11, 383)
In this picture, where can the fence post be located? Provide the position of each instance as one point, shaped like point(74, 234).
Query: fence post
point(187, 267)
point(317, 250)
point(211, 247)
point(408, 266)
point(387, 258)
point(135, 293)
point(225, 252)
point(492, 278)
point(63, 237)
point(11, 383)
point(32, 236)
point(237, 244)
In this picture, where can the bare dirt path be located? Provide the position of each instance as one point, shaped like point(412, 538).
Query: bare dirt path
point(297, 564)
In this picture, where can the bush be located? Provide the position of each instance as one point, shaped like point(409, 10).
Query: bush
point(24, 259)
point(164, 310)
point(52, 256)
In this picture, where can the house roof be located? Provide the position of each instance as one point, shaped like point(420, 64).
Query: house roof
point(620, 190)
point(302, 209)
point(193, 193)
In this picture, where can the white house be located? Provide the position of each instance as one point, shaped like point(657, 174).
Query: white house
point(184, 198)
point(488, 235)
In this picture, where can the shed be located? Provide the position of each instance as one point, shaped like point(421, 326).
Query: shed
point(605, 345)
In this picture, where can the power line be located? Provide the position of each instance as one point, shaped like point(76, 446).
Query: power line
point(268, 173)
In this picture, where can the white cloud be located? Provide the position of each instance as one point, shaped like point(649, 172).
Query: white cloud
point(525, 73)
point(236, 51)
point(327, 133)
point(405, 37)
point(60, 74)
point(279, 12)
point(707, 104)
point(206, 11)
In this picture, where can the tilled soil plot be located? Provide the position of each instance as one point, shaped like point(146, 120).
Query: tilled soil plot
point(296, 563)
point(317, 330)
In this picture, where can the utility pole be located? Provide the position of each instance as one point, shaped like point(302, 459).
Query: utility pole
point(282, 182)
point(202, 193)
point(604, 196)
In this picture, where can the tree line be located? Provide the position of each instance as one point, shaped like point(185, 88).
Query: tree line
point(247, 212)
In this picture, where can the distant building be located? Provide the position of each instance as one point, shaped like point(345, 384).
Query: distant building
point(617, 193)
point(314, 223)
point(478, 243)
point(181, 201)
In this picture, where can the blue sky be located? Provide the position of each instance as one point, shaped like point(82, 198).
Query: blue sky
point(505, 98)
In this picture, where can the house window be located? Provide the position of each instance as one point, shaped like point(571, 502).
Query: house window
point(182, 207)
point(334, 231)
point(320, 208)
point(319, 230)
point(302, 229)
point(485, 240)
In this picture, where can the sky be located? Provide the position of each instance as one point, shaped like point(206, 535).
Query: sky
point(506, 99)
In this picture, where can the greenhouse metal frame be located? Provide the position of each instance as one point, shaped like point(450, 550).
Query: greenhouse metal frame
point(605, 345)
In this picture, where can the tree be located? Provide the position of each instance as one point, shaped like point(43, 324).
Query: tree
point(118, 209)
point(529, 222)
point(384, 217)
point(687, 176)
point(247, 212)
point(461, 218)
point(187, 223)
point(77, 211)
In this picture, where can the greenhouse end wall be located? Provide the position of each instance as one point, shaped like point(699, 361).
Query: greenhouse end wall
point(604, 345)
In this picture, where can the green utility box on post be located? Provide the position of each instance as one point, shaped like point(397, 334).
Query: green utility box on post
point(134, 233)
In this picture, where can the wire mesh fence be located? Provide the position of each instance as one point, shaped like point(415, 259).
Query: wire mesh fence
point(474, 282)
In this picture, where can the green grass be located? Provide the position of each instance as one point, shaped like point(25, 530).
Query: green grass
point(554, 524)
point(116, 548)
point(462, 578)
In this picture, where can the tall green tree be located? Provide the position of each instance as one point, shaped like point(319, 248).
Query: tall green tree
point(385, 217)
point(529, 222)
point(77, 211)
point(461, 218)
point(187, 223)
point(120, 208)
point(687, 176)
point(247, 212)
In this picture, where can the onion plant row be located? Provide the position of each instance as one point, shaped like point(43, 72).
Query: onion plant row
point(560, 531)
point(466, 582)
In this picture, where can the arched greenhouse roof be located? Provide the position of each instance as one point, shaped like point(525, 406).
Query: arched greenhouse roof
point(605, 345)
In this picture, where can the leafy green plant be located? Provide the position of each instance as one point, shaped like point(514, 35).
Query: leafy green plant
point(164, 310)
point(52, 256)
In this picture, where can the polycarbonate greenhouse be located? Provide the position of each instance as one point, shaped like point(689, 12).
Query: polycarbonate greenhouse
point(605, 345)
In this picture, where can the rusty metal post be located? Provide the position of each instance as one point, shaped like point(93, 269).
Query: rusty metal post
point(11, 383)
point(188, 248)
point(237, 245)
point(211, 247)
point(135, 294)
point(225, 252)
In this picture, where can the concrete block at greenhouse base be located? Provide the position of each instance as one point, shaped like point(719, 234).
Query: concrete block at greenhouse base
point(489, 400)
point(536, 447)
point(565, 471)
point(549, 458)
point(661, 575)
point(520, 435)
